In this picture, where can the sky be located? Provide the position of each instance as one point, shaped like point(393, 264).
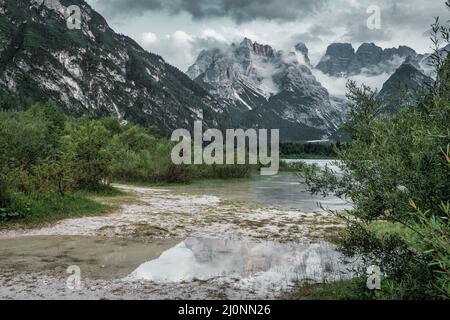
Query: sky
point(179, 29)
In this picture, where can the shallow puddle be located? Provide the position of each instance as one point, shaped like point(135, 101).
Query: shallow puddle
point(266, 266)
point(98, 258)
point(197, 266)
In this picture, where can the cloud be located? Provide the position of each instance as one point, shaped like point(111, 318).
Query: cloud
point(338, 86)
point(398, 18)
point(279, 23)
point(149, 39)
point(239, 10)
point(181, 48)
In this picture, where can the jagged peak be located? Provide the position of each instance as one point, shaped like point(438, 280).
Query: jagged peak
point(340, 46)
point(301, 46)
point(401, 48)
point(409, 64)
point(247, 42)
point(303, 49)
point(368, 45)
point(258, 49)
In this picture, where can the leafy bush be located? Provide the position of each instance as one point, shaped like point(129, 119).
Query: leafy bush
point(139, 156)
point(436, 240)
point(85, 148)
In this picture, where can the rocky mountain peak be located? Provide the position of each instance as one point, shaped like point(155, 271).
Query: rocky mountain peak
point(337, 59)
point(408, 77)
point(340, 50)
point(258, 49)
point(403, 51)
point(367, 56)
point(341, 60)
point(369, 53)
point(264, 87)
point(303, 50)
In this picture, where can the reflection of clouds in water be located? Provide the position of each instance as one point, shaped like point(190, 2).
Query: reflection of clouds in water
point(242, 257)
point(258, 266)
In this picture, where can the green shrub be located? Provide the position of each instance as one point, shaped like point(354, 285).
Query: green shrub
point(436, 241)
point(85, 149)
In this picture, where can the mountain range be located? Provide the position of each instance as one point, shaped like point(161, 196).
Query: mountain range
point(95, 71)
point(261, 86)
point(341, 59)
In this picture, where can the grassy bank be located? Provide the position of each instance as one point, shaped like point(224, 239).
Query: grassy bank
point(41, 209)
point(341, 290)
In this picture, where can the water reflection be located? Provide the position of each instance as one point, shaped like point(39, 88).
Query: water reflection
point(249, 265)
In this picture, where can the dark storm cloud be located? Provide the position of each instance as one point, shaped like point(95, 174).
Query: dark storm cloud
point(313, 33)
point(239, 10)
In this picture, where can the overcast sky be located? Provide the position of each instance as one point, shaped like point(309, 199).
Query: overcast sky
point(179, 29)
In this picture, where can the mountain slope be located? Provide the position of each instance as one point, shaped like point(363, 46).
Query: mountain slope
point(407, 81)
point(263, 87)
point(94, 71)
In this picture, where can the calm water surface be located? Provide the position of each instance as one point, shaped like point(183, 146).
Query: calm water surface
point(286, 191)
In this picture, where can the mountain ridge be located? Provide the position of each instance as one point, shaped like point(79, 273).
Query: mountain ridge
point(300, 102)
point(406, 80)
point(342, 60)
point(262, 86)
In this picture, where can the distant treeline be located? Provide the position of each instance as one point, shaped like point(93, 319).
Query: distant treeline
point(310, 149)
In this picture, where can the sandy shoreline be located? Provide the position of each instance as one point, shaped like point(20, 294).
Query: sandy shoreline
point(155, 221)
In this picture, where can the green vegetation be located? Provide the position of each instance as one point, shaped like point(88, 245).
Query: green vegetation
point(51, 164)
point(397, 173)
point(340, 290)
point(316, 150)
point(39, 209)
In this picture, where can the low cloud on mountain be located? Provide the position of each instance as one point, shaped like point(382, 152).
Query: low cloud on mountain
point(338, 86)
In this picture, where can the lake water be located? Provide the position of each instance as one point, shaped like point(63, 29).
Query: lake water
point(285, 191)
